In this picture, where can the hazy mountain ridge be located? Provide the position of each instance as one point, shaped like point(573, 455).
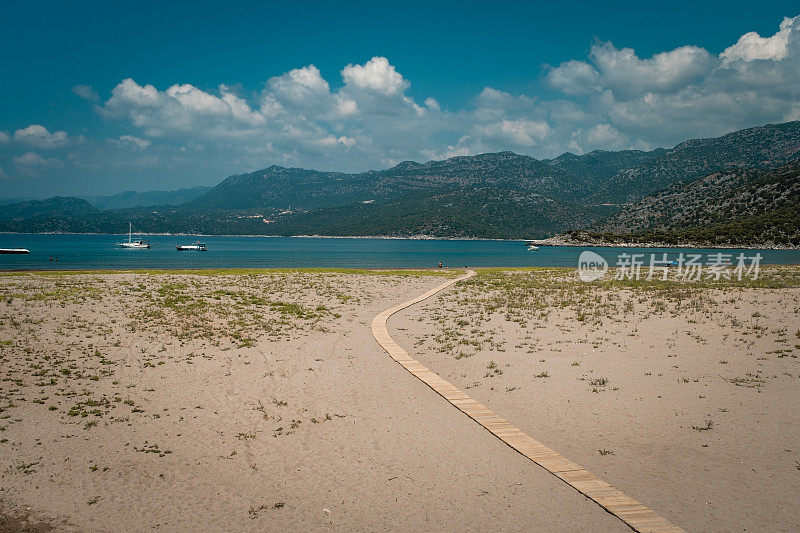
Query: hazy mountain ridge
point(126, 199)
point(57, 206)
point(564, 178)
point(56, 214)
point(282, 187)
point(498, 195)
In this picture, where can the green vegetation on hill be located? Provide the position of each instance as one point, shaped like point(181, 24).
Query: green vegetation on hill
point(488, 212)
point(52, 215)
point(764, 147)
point(737, 207)
point(499, 195)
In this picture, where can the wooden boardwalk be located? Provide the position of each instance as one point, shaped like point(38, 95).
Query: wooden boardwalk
point(634, 514)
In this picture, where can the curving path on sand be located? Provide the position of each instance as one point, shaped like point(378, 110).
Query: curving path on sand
point(634, 514)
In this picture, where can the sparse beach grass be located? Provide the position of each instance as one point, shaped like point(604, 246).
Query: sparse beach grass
point(247, 381)
point(690, 376)
point(145, 371)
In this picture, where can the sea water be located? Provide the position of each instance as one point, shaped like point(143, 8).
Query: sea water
point(70, 251)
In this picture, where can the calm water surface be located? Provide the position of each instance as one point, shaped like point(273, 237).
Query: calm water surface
point(101, 252)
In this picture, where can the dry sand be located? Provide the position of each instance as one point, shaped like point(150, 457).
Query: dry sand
point(235, 402)
point(262, 402)
point(684, 397)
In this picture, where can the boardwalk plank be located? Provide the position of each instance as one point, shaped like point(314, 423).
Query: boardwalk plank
point(636, 515)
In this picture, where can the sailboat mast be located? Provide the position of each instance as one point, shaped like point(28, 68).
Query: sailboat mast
point(130, 229)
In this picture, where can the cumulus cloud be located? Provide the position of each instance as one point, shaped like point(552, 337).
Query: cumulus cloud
point(432, 104)
point(347, 141)
point(519, 132)
point(38, 136)
point(683, 93)
point(574, 77)
point(614, 98)
point(751, 46)
point(296, 117)
point(299, 86)
point(626, 75)
point(181, 108)
point(375, 75)
point(605, 136)
point(133, 142)
point(32, 164)
point(32, 159)
point(346, 106)
point(86, 92)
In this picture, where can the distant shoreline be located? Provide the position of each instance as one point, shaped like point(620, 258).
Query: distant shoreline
point(387, 237)
point(549, 241)
point(572, 243)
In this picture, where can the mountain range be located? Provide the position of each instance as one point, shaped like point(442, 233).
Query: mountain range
point(127, 199)
point(739, 207)
point(722, 182)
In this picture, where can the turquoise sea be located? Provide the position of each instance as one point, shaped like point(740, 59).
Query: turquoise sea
point(101, 252)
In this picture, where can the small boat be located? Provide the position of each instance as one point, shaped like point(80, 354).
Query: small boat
point(131, 243)
point(531, 247)
point(14, 251)
point(197, 247)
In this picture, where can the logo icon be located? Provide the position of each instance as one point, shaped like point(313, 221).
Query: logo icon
point(591, 266)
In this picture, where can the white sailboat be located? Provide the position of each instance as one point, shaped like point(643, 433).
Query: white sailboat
point(131, 243)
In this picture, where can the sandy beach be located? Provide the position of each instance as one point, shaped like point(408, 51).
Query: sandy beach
point(259, 400)
point(682, 396)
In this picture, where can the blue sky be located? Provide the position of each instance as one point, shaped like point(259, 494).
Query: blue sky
point(100, 97)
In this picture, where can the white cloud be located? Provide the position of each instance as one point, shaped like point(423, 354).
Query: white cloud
point(181, 109)
point(605, 136)
point(347, 141)
point(297, 118)
point(678, 94)
point(86, 92)
point(574, 77)
point(131, 93)
point(30, 159)
point(193, 99)
point(38, 136)
point(240, 110)
point(627, 76)
point(31, 163)
point(375, 75)
point(133, 142)
point(432, 104)
point(520, 132)
point(346, 106)
point(751, 46)
point(611, 99)
point(299, 85)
